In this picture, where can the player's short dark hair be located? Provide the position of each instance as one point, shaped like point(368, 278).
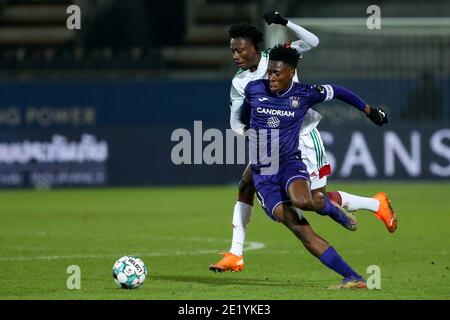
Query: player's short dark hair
point(285, 54)
point(246, 31)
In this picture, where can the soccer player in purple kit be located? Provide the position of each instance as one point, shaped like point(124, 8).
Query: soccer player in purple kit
point(253, 65)
point(277, 106)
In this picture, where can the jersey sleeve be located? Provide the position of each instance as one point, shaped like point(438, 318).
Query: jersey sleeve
point(300, 46)
point(236, 102)
point(236, 95)
point(325, 92)
point(307, 40)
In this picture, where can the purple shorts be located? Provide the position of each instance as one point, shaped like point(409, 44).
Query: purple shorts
point(271, 190)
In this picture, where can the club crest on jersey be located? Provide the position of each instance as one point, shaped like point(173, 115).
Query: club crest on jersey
point(295, 102)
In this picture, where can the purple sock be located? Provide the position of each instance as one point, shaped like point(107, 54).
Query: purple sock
point(329, 209)
point(333, 260)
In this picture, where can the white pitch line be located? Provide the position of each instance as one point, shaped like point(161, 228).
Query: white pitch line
point(251, 245)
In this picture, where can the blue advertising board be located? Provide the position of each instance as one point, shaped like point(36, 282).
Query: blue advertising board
point(96, 133)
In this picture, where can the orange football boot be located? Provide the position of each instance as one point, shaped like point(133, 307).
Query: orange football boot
point(229, 262)
point(385, 213)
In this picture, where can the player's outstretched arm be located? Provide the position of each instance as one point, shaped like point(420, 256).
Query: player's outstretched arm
point(307, 40)
point(376, 115)
point(328, 92)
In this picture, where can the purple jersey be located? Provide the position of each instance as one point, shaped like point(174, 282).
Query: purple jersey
point(283, 112)
point(278, 118)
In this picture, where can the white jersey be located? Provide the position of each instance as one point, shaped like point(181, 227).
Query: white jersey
point(243, 77)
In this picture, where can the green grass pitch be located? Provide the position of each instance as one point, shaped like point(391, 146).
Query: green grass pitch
point(178, 232)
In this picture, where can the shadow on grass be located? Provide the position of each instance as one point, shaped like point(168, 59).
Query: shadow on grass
point(218, 280)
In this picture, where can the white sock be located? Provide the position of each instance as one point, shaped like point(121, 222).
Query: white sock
point(353, 203)
point(241, 217)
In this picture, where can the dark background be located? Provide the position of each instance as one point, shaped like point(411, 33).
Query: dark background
point(136, 71)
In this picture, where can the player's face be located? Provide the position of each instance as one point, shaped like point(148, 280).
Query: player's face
point(244, 53)
point(280, 75)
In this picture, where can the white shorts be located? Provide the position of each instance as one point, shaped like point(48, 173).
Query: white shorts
point(315, 158)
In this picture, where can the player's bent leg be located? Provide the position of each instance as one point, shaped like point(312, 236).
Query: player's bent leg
point(353, 202)
point(315, 159)
point(234, 259)
point(242, 212)
point(380, 205)
point(300, 195)
point(300, 227)
point(343, 217)
point(247, 189)
point(318, 246)
point(302, 198)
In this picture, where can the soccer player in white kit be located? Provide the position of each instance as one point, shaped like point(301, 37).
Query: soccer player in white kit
point(252, 65)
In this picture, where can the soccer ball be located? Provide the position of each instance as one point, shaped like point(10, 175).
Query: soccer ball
point(129, 272)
